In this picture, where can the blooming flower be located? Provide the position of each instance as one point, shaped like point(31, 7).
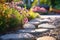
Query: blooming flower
point(39, 9)
point(25, 20)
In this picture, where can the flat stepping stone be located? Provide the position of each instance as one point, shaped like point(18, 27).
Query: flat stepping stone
point(17, 36)
point(45, 20)
point(46, 38)
point(38, 21)
point(26, 31)
point(35, 21)
point(29, 26)
point(41, 30)
point(46, 25)
point(32, 30)
point(50, 16)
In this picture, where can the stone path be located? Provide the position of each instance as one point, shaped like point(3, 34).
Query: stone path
point(34, 29)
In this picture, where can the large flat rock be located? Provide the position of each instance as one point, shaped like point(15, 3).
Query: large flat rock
point(46, 38)
point(35, 21)
point(45, 20)
point(46, 25)
point(17, 36)
point(41, 30)
point(38, 21)
point(50, 16)
point(29, 26)
point(26, 31)
point(32, 30)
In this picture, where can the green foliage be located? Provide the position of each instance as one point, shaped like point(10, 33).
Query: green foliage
point(48, 2)
point(57, 7)
point(57, 2)
point(32, 15)
point(17, 15)
point(3, 24)
point(3, 18)
point(9, 18)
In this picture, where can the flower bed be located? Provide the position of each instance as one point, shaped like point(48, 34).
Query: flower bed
point(12, 17)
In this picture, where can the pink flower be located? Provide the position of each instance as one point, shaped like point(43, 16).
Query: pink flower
point(39, 9)
point(25, 20)
point(43, 10)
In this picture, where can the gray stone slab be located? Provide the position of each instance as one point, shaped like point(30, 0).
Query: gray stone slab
point(39, 21)
point(35, 21)
point(17, 36)
point(26, 31)
point(29, 26)
point(32, 30)
point(45, 20)
point(41, 30)
point(46, 25)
